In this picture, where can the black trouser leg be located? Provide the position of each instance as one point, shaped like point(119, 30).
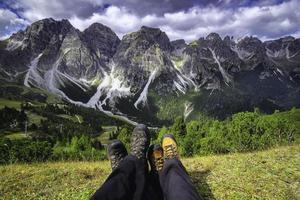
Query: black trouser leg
point(126, 182)
point(153, 190)
point(176, 183)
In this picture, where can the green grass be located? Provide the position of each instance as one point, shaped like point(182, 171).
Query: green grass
point(75, 118)
point(9, 103)
point(35, 118)
point(172, 106)
point(271, 174)
point(17, 136)
point(292, 115)
point(178, 62)
point(193, 43)
point(21, 92)
point(71, 180)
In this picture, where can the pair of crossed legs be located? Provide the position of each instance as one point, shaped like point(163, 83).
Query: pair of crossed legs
point(131, 179)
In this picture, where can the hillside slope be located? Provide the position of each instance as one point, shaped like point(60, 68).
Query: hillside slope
point(272, 174)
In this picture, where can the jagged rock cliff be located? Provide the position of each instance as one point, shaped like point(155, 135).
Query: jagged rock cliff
point(95, 68)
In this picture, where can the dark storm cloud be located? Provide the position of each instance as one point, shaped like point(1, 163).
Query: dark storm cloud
point(188, 19)
point(158, 7)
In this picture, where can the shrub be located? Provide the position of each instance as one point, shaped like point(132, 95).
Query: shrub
point(124, 135)
point(24, 151)
point(80, 148)
point(245, 131)
point(179, 127)
point(160, 134)
point(193, 134)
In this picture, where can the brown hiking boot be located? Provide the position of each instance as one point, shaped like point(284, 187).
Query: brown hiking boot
point(169, 146)
point(140, 140)
point(116, 153)
point(156, 157)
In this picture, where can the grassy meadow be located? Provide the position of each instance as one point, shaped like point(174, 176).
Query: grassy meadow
point(271, 174)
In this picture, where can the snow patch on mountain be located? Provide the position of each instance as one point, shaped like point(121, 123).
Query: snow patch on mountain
point(242, 54)
point(226, 76)
point(182, 81)
point(276, 54)
point(182, 78)
point(14, 44)
point(51, 83)
point(72, 80)
point(179, 87)
point(6, 73)
point(110, 114)
point(287, 53)
point(143, 96)
point(111, 86)
point(188, 109)
point(278, 70)
point(32, 74)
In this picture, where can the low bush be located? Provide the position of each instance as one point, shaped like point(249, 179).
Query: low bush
point(26, 151)
point(244, 131)
point(12, 151)
point(79, 148)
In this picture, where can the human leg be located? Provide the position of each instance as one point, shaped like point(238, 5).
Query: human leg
point(127, 181)
point(174, 179)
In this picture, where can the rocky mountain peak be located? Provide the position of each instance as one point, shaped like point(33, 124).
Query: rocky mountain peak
point(147, 37)
point(48, 27)
point(178, 47)
point(102, 40)
point(288, 39)
point(213, 36)
point(150, 30)
point(38, 35)
point(228, 40)
point(178, 44)
point(249, 43)
point(250, 50)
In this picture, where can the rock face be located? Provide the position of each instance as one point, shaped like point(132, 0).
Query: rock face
point(101, 40)
point(95, 68)
point(178, 47)
point(55, 56)
point(142, 53)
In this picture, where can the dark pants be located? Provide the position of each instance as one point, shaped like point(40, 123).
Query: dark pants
point(176, 183)
point(126, 182)
point(153, 190)
point(131, 181)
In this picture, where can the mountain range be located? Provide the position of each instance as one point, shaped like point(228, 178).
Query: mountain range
point(145, 77)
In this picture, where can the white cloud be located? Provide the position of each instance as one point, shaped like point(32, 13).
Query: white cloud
point(9, 22)
point(34, 10)
point(119, 19)
point(265, 20)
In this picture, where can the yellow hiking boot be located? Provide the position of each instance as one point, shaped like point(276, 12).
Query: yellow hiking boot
point(169, 146)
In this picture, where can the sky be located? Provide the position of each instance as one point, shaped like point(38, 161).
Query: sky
point(180, 19)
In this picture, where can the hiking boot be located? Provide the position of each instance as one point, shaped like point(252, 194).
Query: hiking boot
point(116, 153)
point(169, 146)
point(140, 140)
point(156, 157)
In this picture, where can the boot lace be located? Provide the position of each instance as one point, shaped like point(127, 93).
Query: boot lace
point(170, 151)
